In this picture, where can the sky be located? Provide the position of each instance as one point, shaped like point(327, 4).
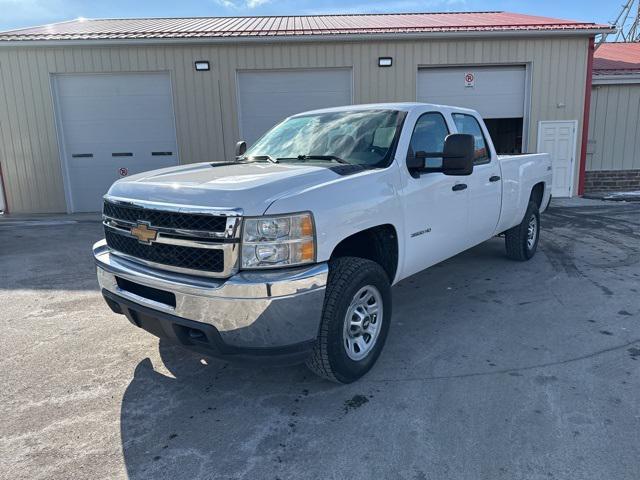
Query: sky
point(22, 13)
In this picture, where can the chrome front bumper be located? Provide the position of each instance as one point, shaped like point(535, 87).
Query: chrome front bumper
point(250, 310)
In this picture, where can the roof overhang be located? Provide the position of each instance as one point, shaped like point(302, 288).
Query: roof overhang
point(564, 32)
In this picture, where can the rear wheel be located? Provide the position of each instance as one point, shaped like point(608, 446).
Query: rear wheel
point(521, 241)
point(355, 320)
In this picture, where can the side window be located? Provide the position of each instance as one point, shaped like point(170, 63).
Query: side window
point(468, 124)
point(428, 136)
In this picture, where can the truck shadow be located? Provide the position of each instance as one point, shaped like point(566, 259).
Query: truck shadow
point(190, 417)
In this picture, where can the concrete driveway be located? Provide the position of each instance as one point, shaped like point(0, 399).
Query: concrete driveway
point(493, 369)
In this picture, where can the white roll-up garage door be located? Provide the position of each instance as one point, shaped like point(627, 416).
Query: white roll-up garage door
point(110, 126)
point(266, 97)
point(495, 92)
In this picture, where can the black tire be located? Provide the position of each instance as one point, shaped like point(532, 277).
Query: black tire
point(516, 239)
point(329, 359)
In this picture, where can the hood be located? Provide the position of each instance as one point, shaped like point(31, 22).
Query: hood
point(250, 186)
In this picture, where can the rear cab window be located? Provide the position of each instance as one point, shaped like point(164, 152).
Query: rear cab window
point(469, 124)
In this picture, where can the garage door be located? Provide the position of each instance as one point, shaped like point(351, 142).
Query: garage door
point(267, 97)
point(110, 126)
point(497, 93)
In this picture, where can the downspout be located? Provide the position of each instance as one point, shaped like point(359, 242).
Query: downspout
point(3, 200)
point(585, 118)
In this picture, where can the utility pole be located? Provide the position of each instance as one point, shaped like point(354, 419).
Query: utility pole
point(627, 24)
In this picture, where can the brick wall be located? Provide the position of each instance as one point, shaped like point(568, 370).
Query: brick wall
point(611, 181)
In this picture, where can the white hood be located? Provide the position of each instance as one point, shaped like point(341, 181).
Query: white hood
point(250, 186)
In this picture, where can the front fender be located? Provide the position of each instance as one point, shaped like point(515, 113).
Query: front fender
point(346, 206)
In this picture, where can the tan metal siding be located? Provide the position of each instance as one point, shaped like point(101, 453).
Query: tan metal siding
point(205, 103)
point(614, 128)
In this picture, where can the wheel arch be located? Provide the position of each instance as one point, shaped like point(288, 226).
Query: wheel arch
point(378, 244)
point(537, 193)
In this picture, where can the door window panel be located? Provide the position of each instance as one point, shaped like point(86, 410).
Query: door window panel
point(428, 136)
point(469, 124)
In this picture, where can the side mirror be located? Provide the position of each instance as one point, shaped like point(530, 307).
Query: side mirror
point(241, 148)
point(459, 152)
point(455, 159)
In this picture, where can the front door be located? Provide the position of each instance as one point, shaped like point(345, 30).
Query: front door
point(435, 204)
point(558, 139)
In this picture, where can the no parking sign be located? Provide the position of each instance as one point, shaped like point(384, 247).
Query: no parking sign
point(469, 79)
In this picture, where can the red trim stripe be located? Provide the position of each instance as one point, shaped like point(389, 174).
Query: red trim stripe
point(585, 118)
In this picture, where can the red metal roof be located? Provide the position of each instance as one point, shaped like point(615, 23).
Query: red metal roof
point(220, 27)
point(616, 58)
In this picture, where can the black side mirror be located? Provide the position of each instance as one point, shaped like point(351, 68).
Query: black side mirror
point(456, 157)
point(459, 152)
point(241, 148)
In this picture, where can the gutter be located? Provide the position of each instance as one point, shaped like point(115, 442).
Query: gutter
point(616, 79)
point(346, 37)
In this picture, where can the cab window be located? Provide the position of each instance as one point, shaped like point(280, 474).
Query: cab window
point(469, 124)
point(428, 136)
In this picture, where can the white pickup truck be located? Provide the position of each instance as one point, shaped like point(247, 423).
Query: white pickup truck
point(290, 250)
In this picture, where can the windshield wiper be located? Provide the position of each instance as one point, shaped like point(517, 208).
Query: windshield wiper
point(329, 158)
point(269, 158)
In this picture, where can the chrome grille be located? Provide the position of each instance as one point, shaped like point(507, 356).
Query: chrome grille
point(192, 240)
point(157, 218)
point(208, 260)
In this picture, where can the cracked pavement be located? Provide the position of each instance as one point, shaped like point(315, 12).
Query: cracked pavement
point(493, 369)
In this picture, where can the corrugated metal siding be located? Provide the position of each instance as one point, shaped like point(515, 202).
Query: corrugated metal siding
point(206, 104)
point(614, 128)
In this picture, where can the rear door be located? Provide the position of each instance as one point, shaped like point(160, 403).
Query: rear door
point(435, 204)
point(484, 184)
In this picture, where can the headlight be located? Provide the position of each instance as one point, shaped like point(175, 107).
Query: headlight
point(281, 241)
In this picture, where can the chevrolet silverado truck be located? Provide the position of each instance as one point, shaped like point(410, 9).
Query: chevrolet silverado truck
point(290, 250)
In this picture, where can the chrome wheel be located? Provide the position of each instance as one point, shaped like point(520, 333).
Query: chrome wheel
point(532, 232)
point(362, 322)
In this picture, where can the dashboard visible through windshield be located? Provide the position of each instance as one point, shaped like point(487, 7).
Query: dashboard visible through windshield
point(361, 137)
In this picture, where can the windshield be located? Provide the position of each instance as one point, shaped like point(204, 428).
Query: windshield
point(364, 137)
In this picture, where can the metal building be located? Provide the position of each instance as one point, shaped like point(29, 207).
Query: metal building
point(613, 150)
point(87, 101)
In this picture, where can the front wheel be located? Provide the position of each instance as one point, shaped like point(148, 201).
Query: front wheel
point(355, 320)
point(521, 241)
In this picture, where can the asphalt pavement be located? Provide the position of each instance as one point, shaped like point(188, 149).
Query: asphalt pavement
point(493, 369)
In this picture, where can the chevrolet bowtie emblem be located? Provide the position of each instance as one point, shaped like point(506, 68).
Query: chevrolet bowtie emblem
point(143, 233)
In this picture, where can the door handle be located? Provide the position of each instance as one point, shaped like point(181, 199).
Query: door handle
point(459, 186)
point(494, 178)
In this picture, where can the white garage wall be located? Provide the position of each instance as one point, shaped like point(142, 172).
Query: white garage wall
point(267, 97)
point(498, 91)
point(99, 115)
point(206, 105)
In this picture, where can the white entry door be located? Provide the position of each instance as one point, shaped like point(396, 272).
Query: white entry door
point(558, 139)
point(266, 97)
point(110, 126)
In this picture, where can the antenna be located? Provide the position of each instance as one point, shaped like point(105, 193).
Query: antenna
point(627, 24)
